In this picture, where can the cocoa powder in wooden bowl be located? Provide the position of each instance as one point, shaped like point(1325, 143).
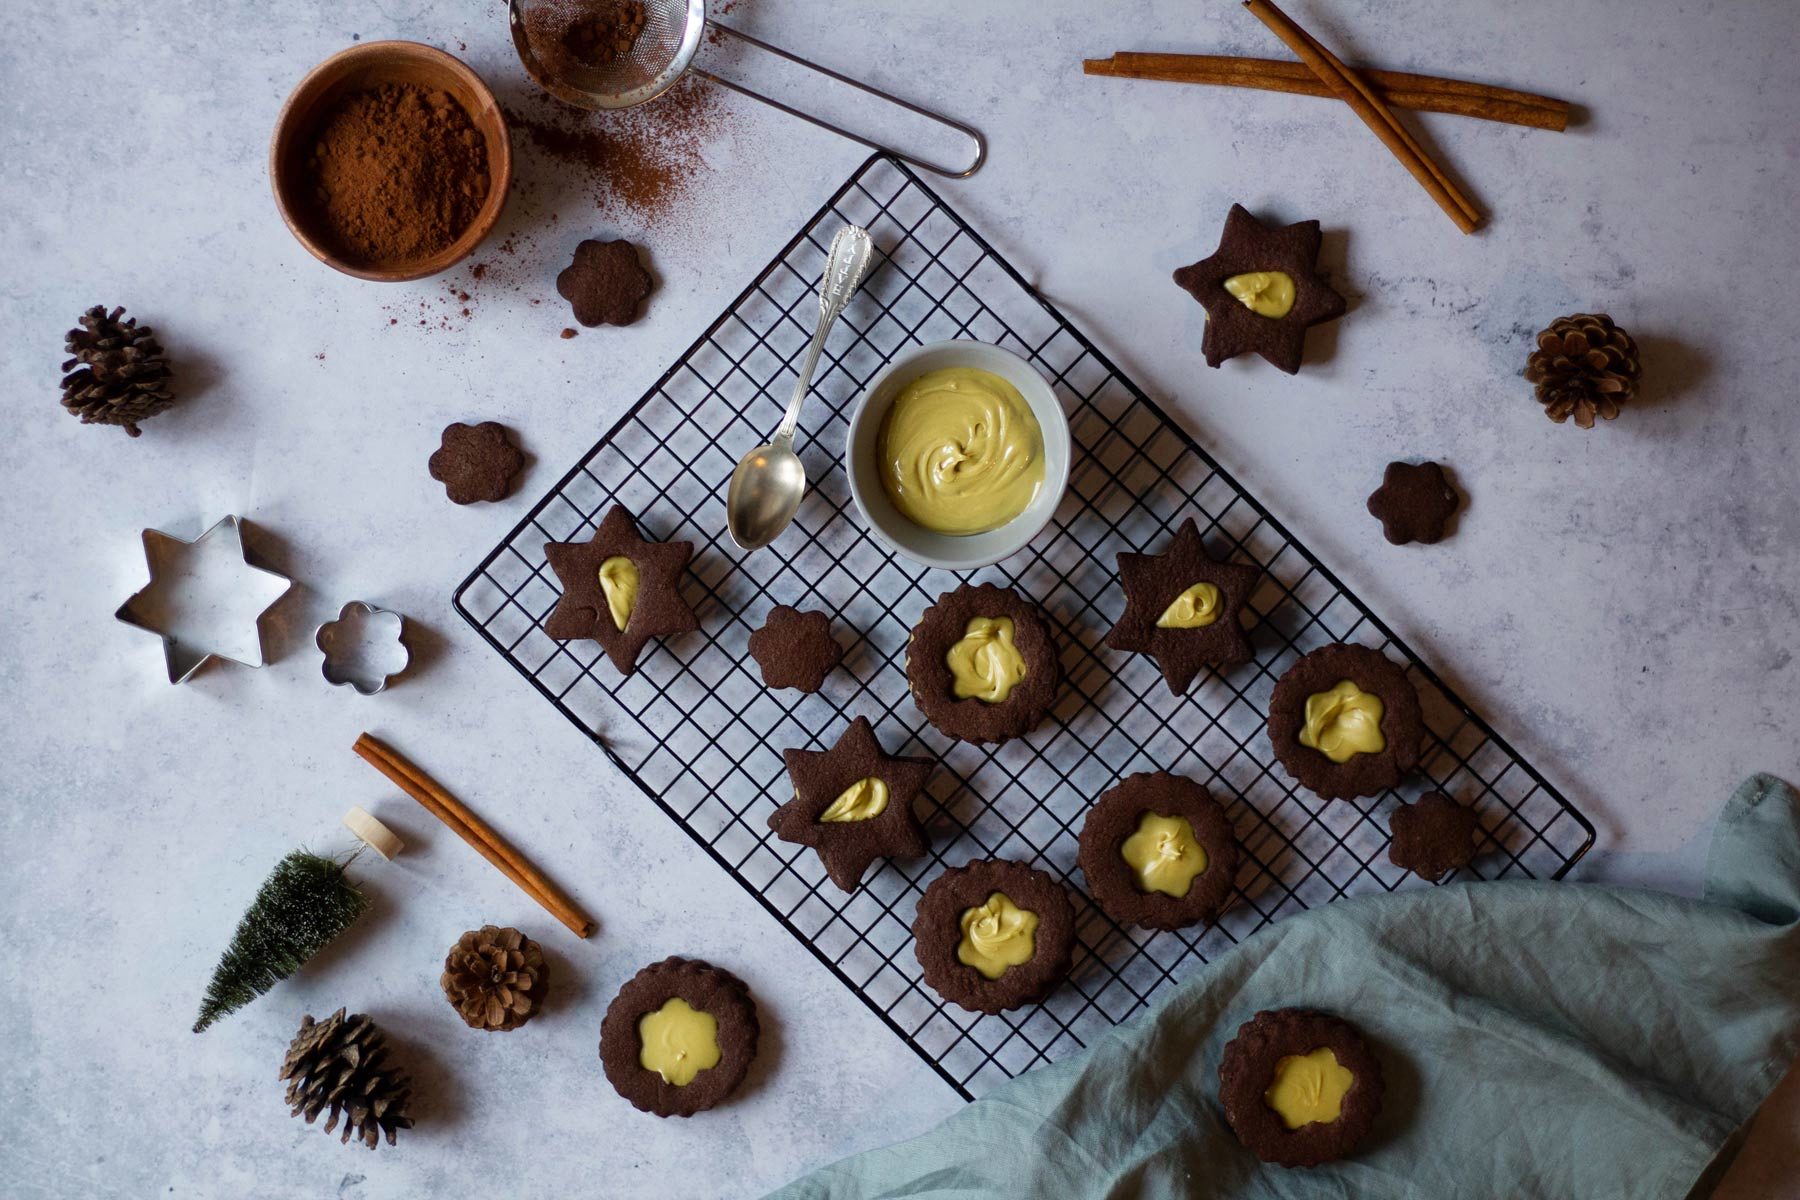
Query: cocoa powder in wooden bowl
point(390, 161)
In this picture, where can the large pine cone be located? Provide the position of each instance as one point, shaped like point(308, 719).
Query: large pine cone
point(1583, 365)
point(341, 1063)
point(118, 375)
point(497, 978)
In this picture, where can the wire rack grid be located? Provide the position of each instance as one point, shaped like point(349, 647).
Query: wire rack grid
point(702, 737)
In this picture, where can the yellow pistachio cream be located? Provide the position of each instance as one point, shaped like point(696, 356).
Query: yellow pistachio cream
point(1265, 293)
point(1163, 854)
point(678, 1041)
point(984, 663)
point(996, 935)
point(863, 800)
point(1344, 722)
point(1195, 608)
point(960, 452)
point(619, 580)
point(1309, 1088)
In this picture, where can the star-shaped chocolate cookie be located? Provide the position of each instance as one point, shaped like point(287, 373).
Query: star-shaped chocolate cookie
point(1181, 608)
point(1261, 290)
point(619, 589)
point(853, 804)
point(1413, 503)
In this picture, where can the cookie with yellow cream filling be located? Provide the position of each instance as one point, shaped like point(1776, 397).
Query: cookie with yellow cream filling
point(619, 589)
point(1299, 1087)
point(994, 934)
point(1158, 851)
point(1346, 722)
point(1261, 290)
point(853, 804)
point(679, 1037)
point(982, 664)
point(1182, 608)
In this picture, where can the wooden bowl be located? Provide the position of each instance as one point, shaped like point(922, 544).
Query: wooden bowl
point(370, 65)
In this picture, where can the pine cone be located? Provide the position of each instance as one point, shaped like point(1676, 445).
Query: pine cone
point(1583, 365)
point(119, 374)
point(342, 1063)
point(496, 978)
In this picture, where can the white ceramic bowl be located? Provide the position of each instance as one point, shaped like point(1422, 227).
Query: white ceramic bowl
point(949, 551)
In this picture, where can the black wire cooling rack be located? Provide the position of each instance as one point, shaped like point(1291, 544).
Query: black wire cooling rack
point(697, 731)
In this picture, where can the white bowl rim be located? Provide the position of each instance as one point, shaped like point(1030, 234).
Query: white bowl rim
point(998, 544)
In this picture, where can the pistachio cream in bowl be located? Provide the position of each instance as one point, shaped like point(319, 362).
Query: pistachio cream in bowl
point(958, 454)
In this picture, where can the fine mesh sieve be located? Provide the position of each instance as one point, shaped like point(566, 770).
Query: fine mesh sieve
point(664, 51)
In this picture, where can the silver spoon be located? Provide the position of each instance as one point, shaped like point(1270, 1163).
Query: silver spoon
point(769, 481)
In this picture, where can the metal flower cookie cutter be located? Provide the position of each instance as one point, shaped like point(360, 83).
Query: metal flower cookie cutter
point(364, 647)
point(205, 598)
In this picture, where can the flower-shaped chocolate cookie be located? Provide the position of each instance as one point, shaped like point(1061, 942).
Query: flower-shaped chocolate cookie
point(853, 804)
point(1432, 836)
point(1413, 503)
point(1261, 290)
point(795, 649)
point(1181, 608)
point(605, 283)
point(476, 462)
point(619, 589)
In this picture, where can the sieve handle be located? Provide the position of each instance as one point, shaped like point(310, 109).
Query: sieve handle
point(952, 172)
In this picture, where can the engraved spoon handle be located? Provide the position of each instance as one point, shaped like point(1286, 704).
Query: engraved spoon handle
point(845, 267)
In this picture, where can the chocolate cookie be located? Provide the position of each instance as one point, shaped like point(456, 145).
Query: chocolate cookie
point(475, 462)
point(650, 572)
point(1433, 836)
point(1413, 503)
point(1275, 1049)
point(994, 632)
point(1182, 608)
point(853, 804)
point(654, 1036)
point(1272, 267)
point(963, 935)
point(1328, 733)
point(795, 649)
point(1158, 851)
point(605, 283)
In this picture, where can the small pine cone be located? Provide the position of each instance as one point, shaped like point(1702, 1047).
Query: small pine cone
point(118, 374)
point(496, 978)
point(1583, 365)
point(341, 1063)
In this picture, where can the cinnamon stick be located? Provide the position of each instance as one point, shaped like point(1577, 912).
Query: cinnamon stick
point(1376, 115)
point(1398, 89)
point(463, 822)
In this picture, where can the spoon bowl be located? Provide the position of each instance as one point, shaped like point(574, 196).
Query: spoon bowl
point(764, 495)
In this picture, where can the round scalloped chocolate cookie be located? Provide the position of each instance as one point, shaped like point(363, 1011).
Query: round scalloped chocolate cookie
point(705, 988)
point(937, 931)
point(795, 649)
point(975, 720)
point(1112, 882)
point(1432, 836)
point(1402, 722)
point(1247, 1072)
point(475, 462)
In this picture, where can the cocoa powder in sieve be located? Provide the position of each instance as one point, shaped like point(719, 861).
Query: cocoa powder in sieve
point(398, 172)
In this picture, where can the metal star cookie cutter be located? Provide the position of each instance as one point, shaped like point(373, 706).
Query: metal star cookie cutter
point(350, 650)
point(170, 608)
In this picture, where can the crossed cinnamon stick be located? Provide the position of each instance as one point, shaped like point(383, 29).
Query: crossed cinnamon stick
point(1368, 93)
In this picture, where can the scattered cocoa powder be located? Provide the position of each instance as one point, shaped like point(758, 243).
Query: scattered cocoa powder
point(398, 173)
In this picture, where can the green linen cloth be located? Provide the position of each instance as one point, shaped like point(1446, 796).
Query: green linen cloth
point(1537, 1040)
